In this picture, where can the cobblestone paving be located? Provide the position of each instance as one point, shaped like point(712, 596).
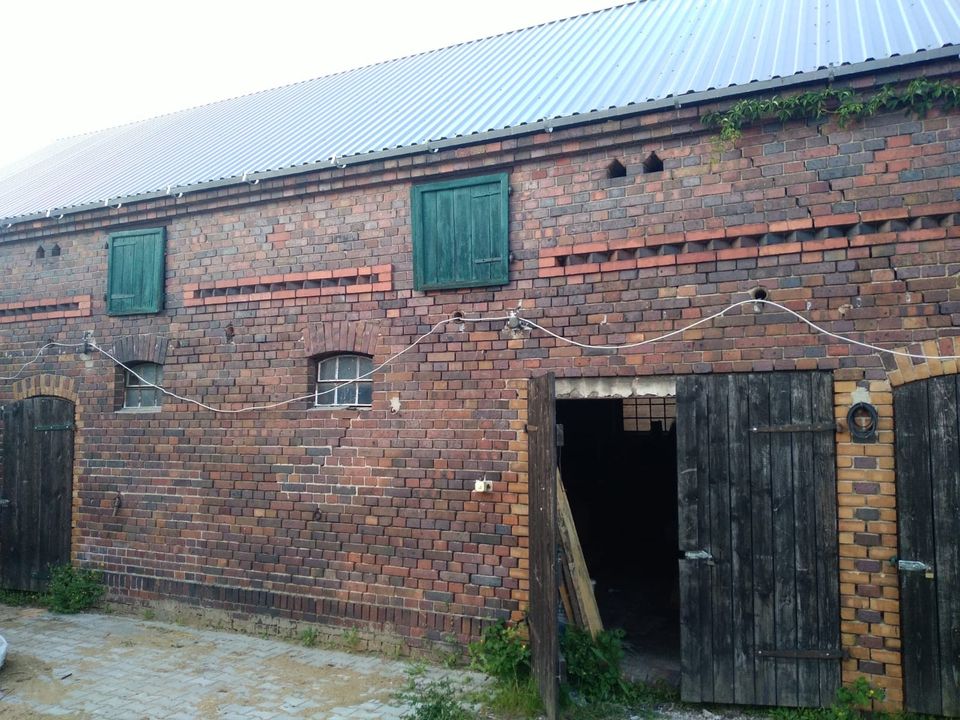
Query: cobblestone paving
point(121, 668)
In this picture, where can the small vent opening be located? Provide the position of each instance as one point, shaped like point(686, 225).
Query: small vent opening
point(653, 164)
point(41, 253)
point(616, 169)
point(55, 251)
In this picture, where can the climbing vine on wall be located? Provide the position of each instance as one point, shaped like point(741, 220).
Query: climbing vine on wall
point(916, 98)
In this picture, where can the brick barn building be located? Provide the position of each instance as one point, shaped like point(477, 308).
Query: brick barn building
point(369, 298)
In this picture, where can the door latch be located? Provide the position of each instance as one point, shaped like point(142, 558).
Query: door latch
point(916, 566)
point(699, 555)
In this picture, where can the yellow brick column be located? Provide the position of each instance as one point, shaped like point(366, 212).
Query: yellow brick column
point(866, 500)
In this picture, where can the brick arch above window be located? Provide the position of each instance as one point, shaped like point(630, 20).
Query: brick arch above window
point(45, 384)
point(359, 337)
point(148, 348)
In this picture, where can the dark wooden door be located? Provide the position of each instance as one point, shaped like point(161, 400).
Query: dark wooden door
point(759, 576)
point(928, 502)
point(36, 491)
point(542, 476)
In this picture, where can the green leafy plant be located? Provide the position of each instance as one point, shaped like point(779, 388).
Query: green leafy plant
point(917, 98)
point(437, 700)
point(857, 699)
point(854, 701)
point(503, 653)
point(20, 598)
point(644, 694)
point(593, 664)
point(74, 589)
point(513, 699)
point(308, 638)
point(351, 639)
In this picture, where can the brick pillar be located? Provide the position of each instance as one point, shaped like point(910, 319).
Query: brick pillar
point(866, 498)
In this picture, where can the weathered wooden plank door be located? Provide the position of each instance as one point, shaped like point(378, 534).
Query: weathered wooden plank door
point(542, 472)
point(36, 490)
point(759, 574)
point(928, 501)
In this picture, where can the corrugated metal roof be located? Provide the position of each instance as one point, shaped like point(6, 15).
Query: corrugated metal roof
point(616, 58)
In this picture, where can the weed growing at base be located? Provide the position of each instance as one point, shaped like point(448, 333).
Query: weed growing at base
point(72, 590)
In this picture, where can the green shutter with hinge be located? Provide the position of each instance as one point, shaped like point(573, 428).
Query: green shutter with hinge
point(135, 272)
point(460, 233)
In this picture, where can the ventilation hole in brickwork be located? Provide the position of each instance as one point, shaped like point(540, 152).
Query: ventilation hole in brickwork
point(616, 169)
point(653, 164)
point(861, 229)
point(41, 253)
point(830, 232)
point(923, 223)
point(55, 251)
point(759, 293)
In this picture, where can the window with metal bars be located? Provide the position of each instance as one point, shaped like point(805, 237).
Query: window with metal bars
point(649, 414)
point(344, 380)
point(138, 392)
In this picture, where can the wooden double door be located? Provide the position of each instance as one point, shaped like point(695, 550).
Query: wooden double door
point(35, 491)
point(757, 545)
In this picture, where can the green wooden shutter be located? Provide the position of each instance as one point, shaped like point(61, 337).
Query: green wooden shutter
point(460, 233)
point(135, 272)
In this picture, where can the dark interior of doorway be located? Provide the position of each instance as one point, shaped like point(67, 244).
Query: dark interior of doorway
point(618, 464)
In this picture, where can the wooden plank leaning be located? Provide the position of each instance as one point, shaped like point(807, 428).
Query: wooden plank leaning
point(581, 592)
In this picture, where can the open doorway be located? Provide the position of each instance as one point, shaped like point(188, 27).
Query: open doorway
point(618, 465)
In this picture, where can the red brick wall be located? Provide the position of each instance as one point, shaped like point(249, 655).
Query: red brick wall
point(368, 516)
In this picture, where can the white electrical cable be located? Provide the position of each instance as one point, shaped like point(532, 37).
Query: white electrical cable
point(721, 313)
point(36, 357)
point(271, 406)
point(521, 323)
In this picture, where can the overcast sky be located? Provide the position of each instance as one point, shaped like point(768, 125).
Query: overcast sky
point(72, 67)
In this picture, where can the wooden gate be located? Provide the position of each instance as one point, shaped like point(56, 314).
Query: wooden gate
point(542, 479)
point(928, 502)
point(759, 587)
point(36, 491)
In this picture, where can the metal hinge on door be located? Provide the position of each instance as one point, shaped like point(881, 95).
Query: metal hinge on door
point(796, 427)
point(54, 426)
point(803, 654)
point(699, 555)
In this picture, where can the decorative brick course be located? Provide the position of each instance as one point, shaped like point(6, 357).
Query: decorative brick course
point(49, 309)
point(290, 286)
point(757, 240)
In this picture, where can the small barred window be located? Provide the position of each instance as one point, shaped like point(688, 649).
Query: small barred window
point(344, 380)
point(138, 389)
